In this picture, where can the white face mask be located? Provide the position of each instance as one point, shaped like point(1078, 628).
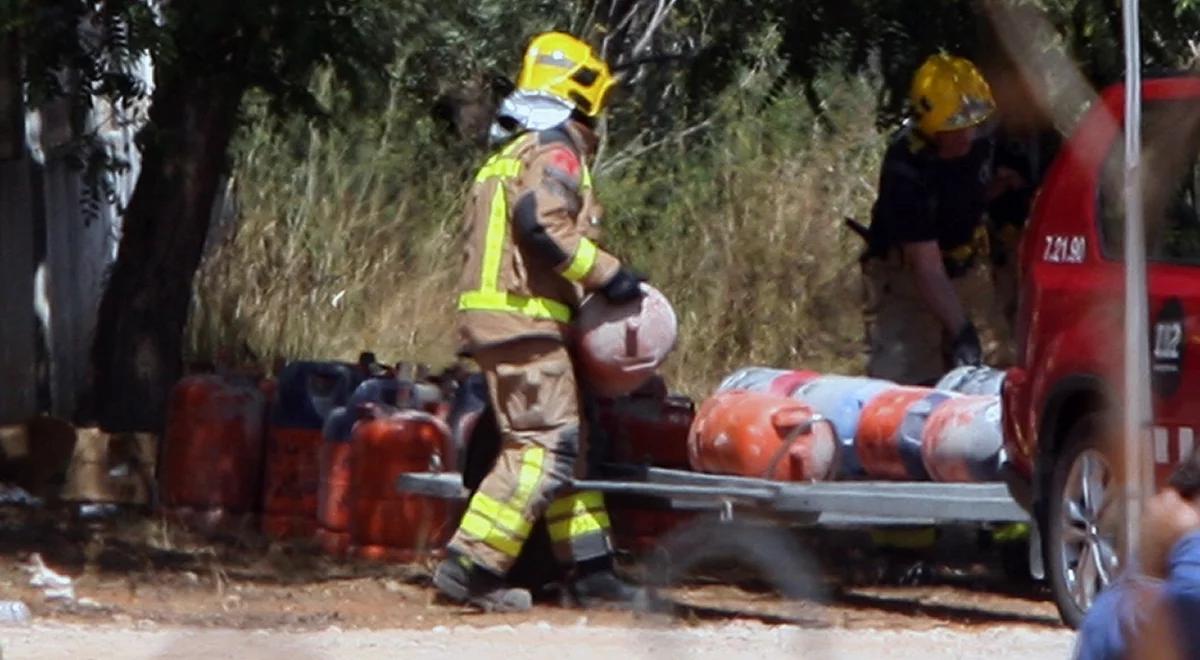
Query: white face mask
point(530, 111)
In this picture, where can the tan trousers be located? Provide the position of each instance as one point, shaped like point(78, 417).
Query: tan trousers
point(532, 386)
point(905, 341)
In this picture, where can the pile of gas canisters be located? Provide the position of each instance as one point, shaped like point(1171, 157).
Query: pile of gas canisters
point(314, 453)
point(801, 425)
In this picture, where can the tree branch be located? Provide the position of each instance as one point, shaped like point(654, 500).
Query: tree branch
point(656, 20)
point(631, 153)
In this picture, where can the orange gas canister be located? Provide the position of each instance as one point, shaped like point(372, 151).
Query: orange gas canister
point(890, 429)
point(213, 447)
point(753, 434)
point(334, 485)
point(385, 524)
point(963, 440)
point(305, 395)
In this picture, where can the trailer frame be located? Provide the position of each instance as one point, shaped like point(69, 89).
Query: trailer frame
point(804, 503)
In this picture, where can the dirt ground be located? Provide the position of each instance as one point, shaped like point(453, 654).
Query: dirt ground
point(147, 588)
point(529, 641)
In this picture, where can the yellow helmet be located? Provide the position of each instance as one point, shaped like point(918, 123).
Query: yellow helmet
point(948, 93)
point(565, 67)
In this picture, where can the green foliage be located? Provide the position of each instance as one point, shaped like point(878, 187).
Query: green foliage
point(87, 50)
point(721, 178)
point(455, 41)
point(349, 236)
point(81, 53)
point(733, 151)
point(743, 231)
point(346, 231)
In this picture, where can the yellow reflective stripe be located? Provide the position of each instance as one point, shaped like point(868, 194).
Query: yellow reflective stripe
point(576, 515)
point(503, 167)
point(508, 517)
point(479, 527)
point(581, 263)
point(496, 167)
point(489, 297)
point(475, 525)
point(503, 525)
point(493, 248)
point(501, 164)
point(532, 462)
point(585, 179)
point(502, 301)
point(576, 503)
point(576, 526)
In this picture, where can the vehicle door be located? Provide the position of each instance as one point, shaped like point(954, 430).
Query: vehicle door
point(1171, 193)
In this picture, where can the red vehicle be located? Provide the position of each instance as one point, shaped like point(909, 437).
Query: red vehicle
point(1059, 401)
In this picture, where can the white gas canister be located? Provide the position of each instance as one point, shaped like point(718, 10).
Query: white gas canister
point(621, 346)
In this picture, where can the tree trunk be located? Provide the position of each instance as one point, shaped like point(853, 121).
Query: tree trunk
point(137, 352)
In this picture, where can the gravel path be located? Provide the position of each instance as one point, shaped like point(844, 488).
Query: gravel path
point(532, 640)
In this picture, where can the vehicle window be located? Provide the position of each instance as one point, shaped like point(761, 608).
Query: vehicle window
point(1170, 185)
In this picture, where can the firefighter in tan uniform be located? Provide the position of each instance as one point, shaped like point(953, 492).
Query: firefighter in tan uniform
point(925, 263)
point(530, 257)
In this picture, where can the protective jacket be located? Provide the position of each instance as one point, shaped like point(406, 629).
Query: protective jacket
point(925, 198)
point(531, 223)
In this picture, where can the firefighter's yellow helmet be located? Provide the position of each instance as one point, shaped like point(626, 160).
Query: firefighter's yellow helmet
point(948, 93)
point(562, 66)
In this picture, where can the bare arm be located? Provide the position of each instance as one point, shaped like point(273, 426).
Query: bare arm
point(925, 260)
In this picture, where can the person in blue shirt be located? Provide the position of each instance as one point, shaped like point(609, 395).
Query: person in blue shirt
point(1155, 615)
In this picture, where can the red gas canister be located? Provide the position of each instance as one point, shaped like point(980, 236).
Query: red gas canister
point(761, 435)
point(648, 428)
point(621, 346)
point(333, 498)
point(213, 447)
point(306, 393)
point(385, 524)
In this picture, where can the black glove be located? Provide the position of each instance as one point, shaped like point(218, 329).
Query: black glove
point(623, 287)
point(965, 348)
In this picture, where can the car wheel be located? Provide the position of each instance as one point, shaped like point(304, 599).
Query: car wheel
point(1082, 521)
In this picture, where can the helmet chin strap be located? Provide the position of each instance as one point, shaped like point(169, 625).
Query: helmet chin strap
point(527, 111)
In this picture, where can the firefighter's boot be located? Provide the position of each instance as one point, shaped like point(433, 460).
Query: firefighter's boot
point(460, 580)
point(598, 586)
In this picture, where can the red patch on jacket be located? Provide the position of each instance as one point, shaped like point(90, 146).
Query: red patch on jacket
point(565, 160)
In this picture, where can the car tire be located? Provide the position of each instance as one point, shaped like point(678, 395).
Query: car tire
point(1081, 521)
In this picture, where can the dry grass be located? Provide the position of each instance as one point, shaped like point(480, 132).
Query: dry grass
point(348, 239)
point(751, 247)
point(346, 242)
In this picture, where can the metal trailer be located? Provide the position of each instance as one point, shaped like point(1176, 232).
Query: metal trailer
point(866, 502)
point(833, 503)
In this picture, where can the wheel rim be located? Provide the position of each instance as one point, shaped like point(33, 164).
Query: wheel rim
point(1088, 533)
